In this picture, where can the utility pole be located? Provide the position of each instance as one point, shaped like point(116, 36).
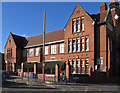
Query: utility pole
point(44, 48)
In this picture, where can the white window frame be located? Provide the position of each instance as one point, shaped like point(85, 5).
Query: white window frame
point(61, 48)
point(37, 50)
point(78, 65)
point(74, 66)
point(46, 50)
point(87, 44)
point(53, 49)
point(73, 26)
point(78, 25)
point(82, 24)
point(70, 46)
point(82, 66)
point(82, 44)
point(78, 44)
point(86, 64)
point(74, 45)
point(31, 52)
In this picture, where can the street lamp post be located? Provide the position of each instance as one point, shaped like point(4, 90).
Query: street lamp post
point(44, 48)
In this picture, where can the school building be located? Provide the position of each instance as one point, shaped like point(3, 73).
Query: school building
point(88, 45)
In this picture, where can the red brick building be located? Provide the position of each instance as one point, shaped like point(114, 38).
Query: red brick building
point(87, 43)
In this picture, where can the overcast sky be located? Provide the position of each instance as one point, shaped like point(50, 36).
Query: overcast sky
point(26, 19)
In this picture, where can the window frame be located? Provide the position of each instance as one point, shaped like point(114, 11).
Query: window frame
point(53, 49)
point(61, 48)
point(37, 51)
point(74, 26)
point(31, 51)
point(78, 25)
point(82, 24)
point(46, 50)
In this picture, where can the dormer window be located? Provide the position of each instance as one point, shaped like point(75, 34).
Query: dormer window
point(73, 26)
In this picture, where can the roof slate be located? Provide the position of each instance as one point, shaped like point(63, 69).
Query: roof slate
point(49, 37)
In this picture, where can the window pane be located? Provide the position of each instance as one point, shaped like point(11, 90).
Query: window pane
point(86, 66)
point(78, 25)
point(82, 44)
point(53, 49)
point(78, 44)
point(82, 66)
point(74, 48)
point(46, 50)
point(61, 48)
point(82, 24)
point(30, 52)
point(37, 51)
point(70, 46)
point(87, 44)
point(74, 66)
point(78, 66)
point(73, 26)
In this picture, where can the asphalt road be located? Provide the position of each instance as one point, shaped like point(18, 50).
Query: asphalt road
point(12, 86)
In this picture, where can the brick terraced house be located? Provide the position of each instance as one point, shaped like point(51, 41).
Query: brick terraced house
point(88, 44)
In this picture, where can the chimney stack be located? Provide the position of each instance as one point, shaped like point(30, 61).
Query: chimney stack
point(103, 7)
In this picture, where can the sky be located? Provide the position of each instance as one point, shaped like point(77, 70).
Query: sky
point(26, 18)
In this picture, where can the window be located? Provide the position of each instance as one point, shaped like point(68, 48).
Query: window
point(46, 50)
point(82, 66)
point(78, 44)
point(78, 25)
point(37, 51)
point(87, 44)
point(86, 66)
point(30, 52)
point(74, 66)
point(24, 53)
point(82, 24)
point(9, 53)
point(82, 44)
point(9, 41)
point(61, 48)
point(101, 61)
point(78, 66)
point(74, 49)
point(73, 26)
point(69, 46)
point(53, 49)
point(70, 62)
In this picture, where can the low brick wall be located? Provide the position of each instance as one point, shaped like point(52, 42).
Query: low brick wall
point(48, 77)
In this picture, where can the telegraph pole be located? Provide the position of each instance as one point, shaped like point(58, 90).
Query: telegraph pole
point(44, 48)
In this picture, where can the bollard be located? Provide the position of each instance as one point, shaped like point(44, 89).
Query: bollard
point(54, 79)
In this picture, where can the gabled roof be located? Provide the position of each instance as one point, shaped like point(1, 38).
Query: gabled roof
point(19, 41)
point(49, 37)
point(78, 5)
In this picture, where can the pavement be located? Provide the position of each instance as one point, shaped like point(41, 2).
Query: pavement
point(17, 85)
